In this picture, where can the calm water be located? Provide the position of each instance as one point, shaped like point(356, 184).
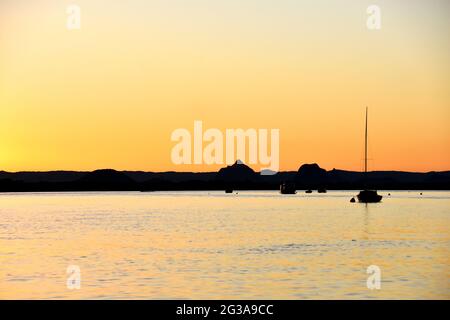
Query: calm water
point(209, 245)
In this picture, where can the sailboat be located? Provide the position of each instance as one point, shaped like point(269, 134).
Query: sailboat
point(367, 196)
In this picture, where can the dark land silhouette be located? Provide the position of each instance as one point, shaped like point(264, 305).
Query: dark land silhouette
point(236, 177)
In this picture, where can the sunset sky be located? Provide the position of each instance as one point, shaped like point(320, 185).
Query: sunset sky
point(110, 94)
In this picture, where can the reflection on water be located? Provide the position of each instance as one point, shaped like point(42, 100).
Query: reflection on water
point(209, 245)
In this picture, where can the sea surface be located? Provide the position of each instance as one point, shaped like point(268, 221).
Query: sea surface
point(212, 245)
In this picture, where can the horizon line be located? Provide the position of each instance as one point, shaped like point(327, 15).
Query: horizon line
point(206, 172)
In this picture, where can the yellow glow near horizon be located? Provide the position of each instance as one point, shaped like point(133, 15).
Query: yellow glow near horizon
point(110, 95)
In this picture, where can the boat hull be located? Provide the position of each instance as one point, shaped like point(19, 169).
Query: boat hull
point(369, 196)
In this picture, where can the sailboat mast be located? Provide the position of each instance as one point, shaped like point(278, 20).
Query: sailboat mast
point(365, 146)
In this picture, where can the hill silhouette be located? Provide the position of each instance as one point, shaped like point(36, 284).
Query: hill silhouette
point(106, 180)
point(238, 172)
point(237, 177)
point(311, 176)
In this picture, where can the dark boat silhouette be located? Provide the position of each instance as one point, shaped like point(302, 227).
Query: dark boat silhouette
point(308, 191)
point(367, 196)
point(228, 190)
point(322, 190)
point(288, 188)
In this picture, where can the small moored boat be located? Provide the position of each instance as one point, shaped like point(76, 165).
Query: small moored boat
point(288, 188)
point(368, 196)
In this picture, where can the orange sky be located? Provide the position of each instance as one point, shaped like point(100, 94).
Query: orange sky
point(110, 94)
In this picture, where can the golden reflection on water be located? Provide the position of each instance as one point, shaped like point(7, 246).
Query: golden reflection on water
point(208, 245)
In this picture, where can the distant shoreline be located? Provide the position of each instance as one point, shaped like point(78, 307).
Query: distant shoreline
point(299, 192)
point(236, 177)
